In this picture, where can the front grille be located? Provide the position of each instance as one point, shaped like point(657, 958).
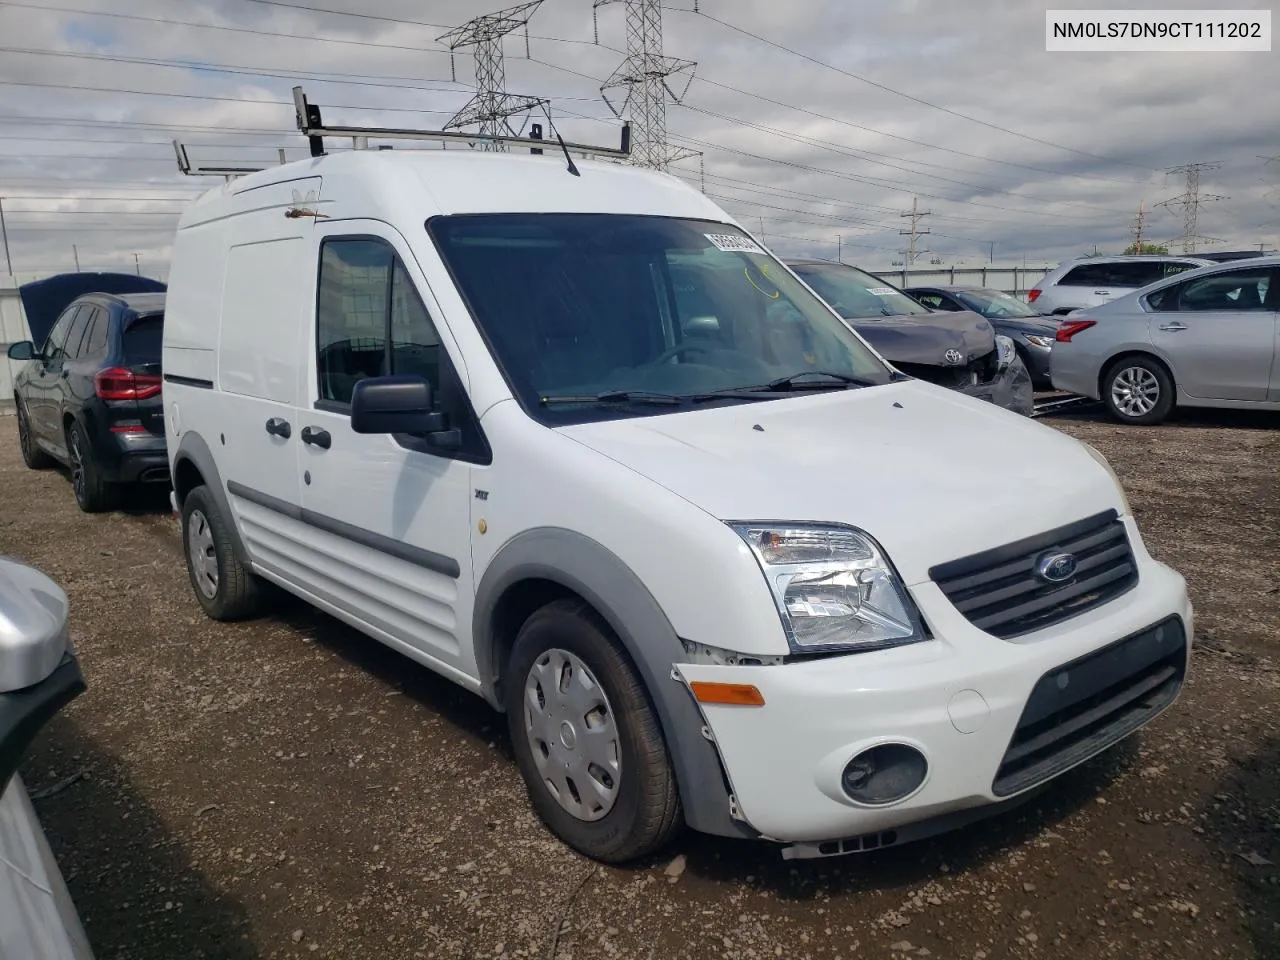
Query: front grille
point(981, 370)
point(1080, 709)
point(1001, 592)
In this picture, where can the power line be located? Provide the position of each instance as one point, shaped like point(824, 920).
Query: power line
point(914, 99)
point(419, 49)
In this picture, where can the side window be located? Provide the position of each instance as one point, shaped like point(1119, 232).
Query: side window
point(94, 345)
point(53, 351)
point(1086, 275)
point(351, 315)
point(931, 300)
point(415, 345)
point(1235, 290)
point(370, 319)
point(945, 303)
point(75, 335)
point(1173, 269)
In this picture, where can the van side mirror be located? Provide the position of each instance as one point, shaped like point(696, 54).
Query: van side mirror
point(22, 350)
point(399, 404)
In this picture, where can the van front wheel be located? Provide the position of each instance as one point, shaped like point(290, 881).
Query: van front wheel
point(225, 587)
point(586, 739)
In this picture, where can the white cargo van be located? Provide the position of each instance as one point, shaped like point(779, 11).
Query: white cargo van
point(578, 443)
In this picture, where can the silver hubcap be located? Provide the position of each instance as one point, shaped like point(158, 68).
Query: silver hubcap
point(572, 734)
point(201, 554)
point(1135, 391)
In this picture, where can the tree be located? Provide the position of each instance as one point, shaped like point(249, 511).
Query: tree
point(1146, 248)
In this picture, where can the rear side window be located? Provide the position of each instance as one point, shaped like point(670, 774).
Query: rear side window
point(1086, 275)
point(94, 345)
point(370, 321)
point(142, 340)
point(1233, 291)
point(75, 336)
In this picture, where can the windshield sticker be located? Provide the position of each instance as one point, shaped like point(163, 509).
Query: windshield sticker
point(730, 243)
point(881, 291)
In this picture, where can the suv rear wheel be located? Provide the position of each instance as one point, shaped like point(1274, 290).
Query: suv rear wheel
point(586, 738)
point(93, 493)
point(1138, 390)
point(224, 587)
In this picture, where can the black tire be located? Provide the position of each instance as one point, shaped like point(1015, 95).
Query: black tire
point(32, 455)
point(1129, 379)
point(646, 813)
point(92, 492)
point(236, 593)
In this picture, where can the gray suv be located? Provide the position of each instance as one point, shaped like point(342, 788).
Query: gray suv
point(1091, 281)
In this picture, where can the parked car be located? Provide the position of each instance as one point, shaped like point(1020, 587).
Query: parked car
point(1093, 280)
point(1225, 256)
point(1204, 339)
point(1032, 334)
point(90, 396)
point(579, 444)
point(39, 675)
point(960, 351)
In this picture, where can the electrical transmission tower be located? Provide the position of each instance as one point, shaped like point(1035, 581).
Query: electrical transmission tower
point(1190, 202)
point(492, 107)
point(1138, 222)
point(911, 253)
point(646, 77)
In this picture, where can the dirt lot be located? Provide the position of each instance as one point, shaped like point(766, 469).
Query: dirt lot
point(287, 788)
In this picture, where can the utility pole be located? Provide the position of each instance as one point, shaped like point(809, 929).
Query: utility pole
point(492, 107)
point(137, 265)
point(1190, 201)
point(4, 232)
point(646, 77)
point(992, 257)
point(839, 248)
point(76, 253)
point(915, 213)
point(1137, 229)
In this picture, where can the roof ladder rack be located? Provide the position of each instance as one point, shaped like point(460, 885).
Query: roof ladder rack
point(314, 129)
point(212, 170)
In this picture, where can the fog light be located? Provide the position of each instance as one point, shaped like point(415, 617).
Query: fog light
point(884, 774)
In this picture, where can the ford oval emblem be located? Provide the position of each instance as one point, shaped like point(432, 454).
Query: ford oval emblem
point(1056, 567)
point(953, 357)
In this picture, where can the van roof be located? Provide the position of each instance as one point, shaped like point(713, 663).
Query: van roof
point(416, 184)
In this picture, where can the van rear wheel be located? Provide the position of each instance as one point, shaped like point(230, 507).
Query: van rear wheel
point(586, 738)
point(226, 588)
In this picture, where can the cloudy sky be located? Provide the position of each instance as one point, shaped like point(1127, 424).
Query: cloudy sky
point(826, 123)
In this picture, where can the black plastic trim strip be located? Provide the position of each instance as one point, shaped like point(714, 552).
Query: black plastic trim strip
point(199, 382)
point(427, 559)
point(23, 713)
point(1019, 548)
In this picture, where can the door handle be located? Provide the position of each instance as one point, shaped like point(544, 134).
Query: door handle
point(279, 428)
point(1173, 327)
point(1102, 293)
point(317, 437)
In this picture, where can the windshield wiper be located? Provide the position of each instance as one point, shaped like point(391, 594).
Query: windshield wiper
point(835, 381)
point(615, 396)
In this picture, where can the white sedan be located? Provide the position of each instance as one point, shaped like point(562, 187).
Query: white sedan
point(1206, 338)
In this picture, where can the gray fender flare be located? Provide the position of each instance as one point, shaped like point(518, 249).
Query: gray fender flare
point(599, 577)
point(192, 447)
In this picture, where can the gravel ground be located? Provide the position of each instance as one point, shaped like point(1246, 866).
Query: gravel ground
point(287, 788)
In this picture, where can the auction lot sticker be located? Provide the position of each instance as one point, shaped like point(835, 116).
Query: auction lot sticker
point(731, 243)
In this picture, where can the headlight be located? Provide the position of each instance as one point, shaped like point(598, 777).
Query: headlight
point(1107, 466)
point(1005, 351)
point(1046, 342)
point(833, 587)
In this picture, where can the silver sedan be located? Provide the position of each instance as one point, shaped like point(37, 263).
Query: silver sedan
point(1209, 337)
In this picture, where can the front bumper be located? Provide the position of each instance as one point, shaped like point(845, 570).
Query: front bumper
point(957, 698)
point(1038, 365)
point(1011, 389)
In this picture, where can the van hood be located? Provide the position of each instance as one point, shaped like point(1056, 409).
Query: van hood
point(929, 473)
point(926, 339)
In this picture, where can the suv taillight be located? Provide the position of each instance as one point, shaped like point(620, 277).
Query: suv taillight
point(1069, 328)
point(1031, 295)
point(118, 383)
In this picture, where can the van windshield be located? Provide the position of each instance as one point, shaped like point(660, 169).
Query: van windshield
point(654, 312)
